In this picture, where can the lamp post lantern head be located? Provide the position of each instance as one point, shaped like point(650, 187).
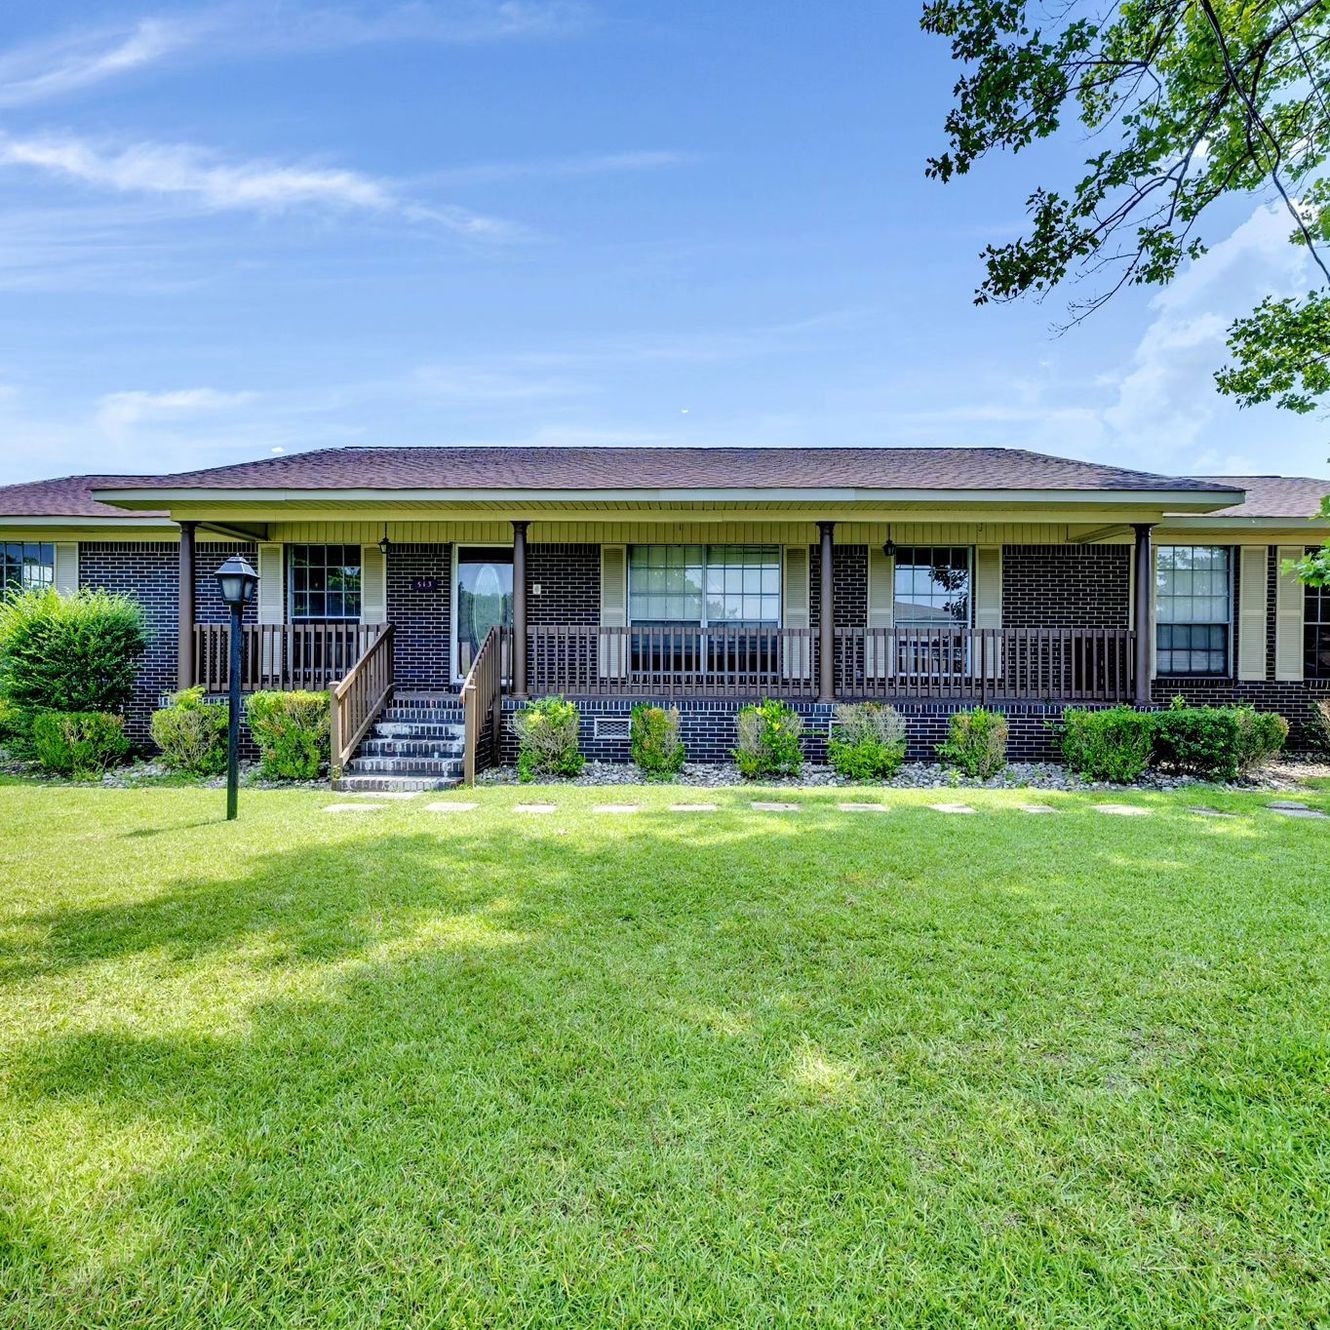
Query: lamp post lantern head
point(237, 581)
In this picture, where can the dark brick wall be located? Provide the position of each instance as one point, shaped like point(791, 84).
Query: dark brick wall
point(209, 607)
point(1293, 700)
point(150, 572)
point(1066, 586)
point(569, 581)
point(708, 729)
point(421, 619)
point(849, 572)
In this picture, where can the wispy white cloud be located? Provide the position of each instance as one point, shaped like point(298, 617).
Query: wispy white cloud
point(205, 180)
point(119, 413)
point(80, 59)
point(45, 70)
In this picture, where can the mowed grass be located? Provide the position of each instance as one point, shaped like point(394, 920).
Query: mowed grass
point(414, 1069)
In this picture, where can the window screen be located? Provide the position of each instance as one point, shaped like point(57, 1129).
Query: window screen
point(325, 581)
point(1193, 608)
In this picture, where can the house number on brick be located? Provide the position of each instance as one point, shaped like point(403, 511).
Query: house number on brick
point(424, 584)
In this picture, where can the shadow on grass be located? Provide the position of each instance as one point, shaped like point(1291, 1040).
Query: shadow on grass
point(660, 1067)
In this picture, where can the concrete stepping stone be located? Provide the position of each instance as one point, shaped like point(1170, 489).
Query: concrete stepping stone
point(442, 807)
point(1122, 810)
point(951, 808)
point(1036, 808)
point(354, 808)
point(1210, 812)
point(383, 794)
point(1287, 805)
point(535, 808)
point(863, 808)
point(1304, 811)
point(616, 808)
point(769, 806)
point(693, 808)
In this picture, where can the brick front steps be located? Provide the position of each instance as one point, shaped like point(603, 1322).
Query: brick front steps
point(416, 744)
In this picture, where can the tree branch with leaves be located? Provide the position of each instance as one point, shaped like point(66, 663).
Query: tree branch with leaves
point(1188, 102)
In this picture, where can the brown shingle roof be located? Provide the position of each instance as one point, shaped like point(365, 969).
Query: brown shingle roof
point(66, 496)
point(527, 468)
point(1274, 496)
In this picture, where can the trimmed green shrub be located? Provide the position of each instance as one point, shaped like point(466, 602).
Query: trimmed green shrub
point(769, 740)
point(1197, 741)
point(1319, 726)
point(1115, 744)
point(867, 741)
point(82, 744)
point(14, 724)
point(548, 731)
point(976, 742)
point(192, 733)
point(292, 731)
point(1261, 734)
point(656, 746)
point(70, 653)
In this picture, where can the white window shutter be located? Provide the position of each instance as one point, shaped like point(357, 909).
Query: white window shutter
point(373, 585)
point(798, 655)
point(613, 609)
point(272, 585)
point(67, 567)
point(1290, 598)
point(1252, 611)
point(880, 644)
point(988, 607)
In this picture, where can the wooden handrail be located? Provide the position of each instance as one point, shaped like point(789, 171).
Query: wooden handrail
point(358, 698)
point(481, 691)
point(281, 655)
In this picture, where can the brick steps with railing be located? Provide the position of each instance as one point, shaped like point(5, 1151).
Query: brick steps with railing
point(416, 743)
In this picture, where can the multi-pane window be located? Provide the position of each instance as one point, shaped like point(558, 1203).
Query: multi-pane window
point(932, 586)
point(1193, 608)
point(1316, 633)
point(704, 584)
point(325, 581)
point(25, 564)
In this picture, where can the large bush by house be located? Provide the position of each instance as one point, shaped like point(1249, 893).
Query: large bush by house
point(867, 741)
point(82, 744)
point(548, 738)
point(654, 741)
point(292, 731)
point(976, 742)
point(1114, 745)
point(70, 653)
point(192, 733)
point(769, 740)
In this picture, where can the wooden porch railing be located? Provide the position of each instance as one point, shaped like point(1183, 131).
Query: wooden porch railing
point(481, 715)
point(590, 661)
point(280, 655)
point(986, 664)
point(360, 696)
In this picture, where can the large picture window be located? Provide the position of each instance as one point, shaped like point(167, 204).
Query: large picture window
point(932, 586)
point(324, 581)
point(26, 564)
point(1316, 633)
point(704, 585)
point(1193, 609)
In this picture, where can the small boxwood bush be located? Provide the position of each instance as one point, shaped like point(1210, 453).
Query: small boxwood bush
point(548, 739)
point(1113, 745)
point(867, 741)
point(1197, 741)
point(192, 733)
point(1261, 734)
point(70, 653)
point(769, 740)
point(976, 742)
point(656, 746)
point(291, 731)
point(1320, 724)
point(82, 744)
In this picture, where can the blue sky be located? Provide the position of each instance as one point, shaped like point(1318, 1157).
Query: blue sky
point(232, 229)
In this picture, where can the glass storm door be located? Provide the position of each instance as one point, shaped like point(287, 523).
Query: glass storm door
point(484, 599)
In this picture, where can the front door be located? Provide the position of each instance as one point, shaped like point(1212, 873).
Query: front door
point(484, 594)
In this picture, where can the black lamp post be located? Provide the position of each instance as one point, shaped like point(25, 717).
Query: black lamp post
point(237, 581)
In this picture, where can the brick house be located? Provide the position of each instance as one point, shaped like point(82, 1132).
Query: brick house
point(932, 578)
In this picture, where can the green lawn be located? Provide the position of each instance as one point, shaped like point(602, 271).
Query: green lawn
point(732, 1068)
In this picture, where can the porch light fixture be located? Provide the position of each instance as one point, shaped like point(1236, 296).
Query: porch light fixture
point(889, 549)
point(237, 582)
point(385, 544)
